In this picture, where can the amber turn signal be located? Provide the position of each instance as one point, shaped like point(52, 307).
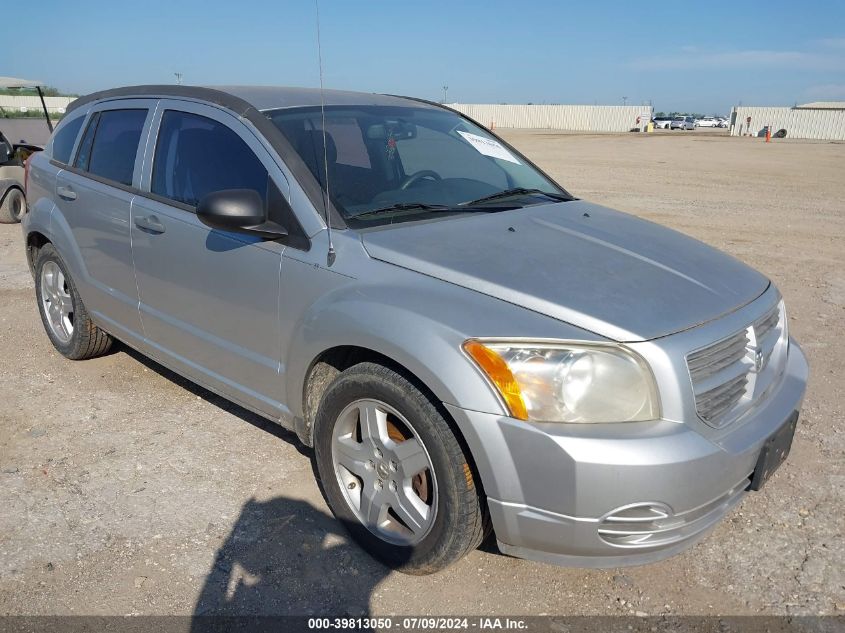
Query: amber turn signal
point(500, 375)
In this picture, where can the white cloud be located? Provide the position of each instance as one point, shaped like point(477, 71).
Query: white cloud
point(832, 42)
point(826, 91)
point(690, 58)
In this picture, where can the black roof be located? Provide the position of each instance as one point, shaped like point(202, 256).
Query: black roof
point(240, 98)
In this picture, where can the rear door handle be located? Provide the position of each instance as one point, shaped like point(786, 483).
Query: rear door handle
point(149, 223)
point(66, 193)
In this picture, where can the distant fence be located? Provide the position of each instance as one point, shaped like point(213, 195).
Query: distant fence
point(17, 104)
point(576, 118)
point(824, 124)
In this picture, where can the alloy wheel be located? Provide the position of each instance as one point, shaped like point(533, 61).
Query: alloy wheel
point(56, 301)
point(384, 471)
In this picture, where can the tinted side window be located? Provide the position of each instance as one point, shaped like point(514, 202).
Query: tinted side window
point(65, 138)
point(116, 143)
point(196, 156)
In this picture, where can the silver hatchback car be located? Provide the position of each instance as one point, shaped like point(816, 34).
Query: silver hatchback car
point(467, 347)
point(682, 123)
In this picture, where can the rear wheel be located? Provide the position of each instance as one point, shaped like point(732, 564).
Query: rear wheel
point(63, 314)
point(13, 207)
point(394, 473)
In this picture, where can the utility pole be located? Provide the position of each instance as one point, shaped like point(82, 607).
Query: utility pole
point(624, 100)
point(178, 78)
point(445, 91)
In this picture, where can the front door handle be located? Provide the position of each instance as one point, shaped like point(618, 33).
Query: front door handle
point(149, 223)
point(66, 193)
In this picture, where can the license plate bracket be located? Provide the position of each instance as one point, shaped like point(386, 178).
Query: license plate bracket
point(774, 452)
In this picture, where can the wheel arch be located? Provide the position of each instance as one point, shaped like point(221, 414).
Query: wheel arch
point(332, 361)
point(9, 190)
point(35, 241)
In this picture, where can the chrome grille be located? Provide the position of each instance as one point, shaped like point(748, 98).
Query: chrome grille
point(719, 376)
point(712, 359)
point(764, 325)
point(715, 402)
point(728, 375)
point(767, 333)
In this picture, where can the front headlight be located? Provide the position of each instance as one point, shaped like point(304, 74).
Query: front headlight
point(563, 382)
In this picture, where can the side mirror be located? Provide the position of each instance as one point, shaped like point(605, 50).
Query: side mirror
point(238, 210)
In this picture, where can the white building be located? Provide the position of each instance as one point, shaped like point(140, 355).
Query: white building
point(575, 118)
point(823, 120)
point(31, 103)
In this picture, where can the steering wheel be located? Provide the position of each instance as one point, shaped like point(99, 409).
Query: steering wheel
point(425, 173)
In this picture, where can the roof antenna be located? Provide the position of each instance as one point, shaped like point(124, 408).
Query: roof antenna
point(331, 254)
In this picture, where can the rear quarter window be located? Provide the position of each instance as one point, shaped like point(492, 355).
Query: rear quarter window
point(65, 138)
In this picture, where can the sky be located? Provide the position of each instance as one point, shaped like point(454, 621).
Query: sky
point(692, 57)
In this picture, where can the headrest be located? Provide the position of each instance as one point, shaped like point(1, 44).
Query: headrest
point(310, 148)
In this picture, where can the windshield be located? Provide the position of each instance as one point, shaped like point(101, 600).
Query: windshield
point(389, 164)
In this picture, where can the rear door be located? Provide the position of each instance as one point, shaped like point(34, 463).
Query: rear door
point(45, 166)
point(94, 195)
point(208, 298)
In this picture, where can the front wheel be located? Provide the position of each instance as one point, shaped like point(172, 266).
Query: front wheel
point(394, 473)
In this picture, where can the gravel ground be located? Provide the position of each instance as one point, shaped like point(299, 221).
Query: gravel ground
point(126, 490)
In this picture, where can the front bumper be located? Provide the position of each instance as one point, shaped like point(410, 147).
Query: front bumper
point(607, 495)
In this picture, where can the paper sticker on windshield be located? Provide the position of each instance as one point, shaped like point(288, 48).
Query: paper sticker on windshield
point(489, 147)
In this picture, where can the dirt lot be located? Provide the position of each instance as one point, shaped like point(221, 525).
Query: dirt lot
point(125, 490)
point(30, 130)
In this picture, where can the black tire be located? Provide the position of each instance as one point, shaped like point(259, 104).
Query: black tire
point(87, 340)
point(460, 522)
point(13, 207)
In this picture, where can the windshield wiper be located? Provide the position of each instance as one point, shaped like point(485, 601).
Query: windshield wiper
point(422, 206)
point(405, 206)
point(518, 191)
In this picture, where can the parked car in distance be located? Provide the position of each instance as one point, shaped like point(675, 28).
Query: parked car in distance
point(707, 121)
point(662, 122)
point(12, 174)
point(723, 122)
point(682, 123)
point(12, 159)
point(466, 346)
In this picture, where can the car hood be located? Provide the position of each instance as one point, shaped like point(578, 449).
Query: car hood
point(619, 276)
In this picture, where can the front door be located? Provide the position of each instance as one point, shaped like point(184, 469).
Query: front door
point(208, 298)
